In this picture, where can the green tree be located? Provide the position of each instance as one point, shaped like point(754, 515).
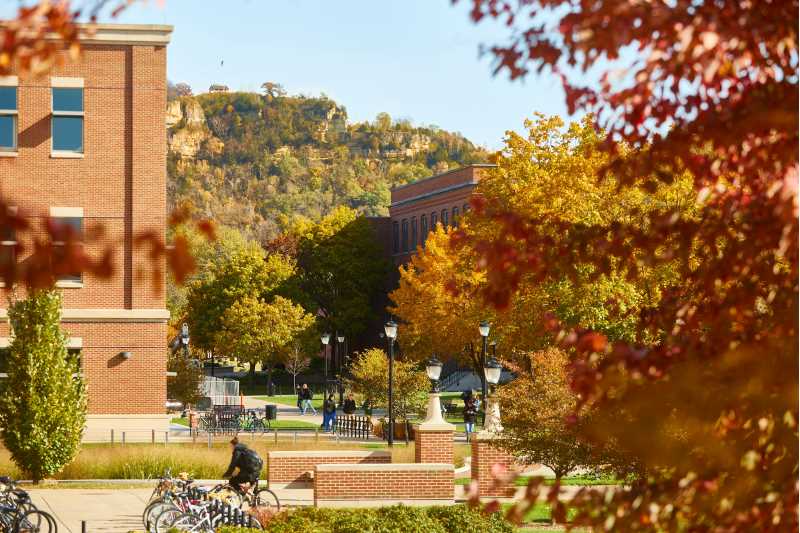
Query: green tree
point(43, 408)
point(341, 270)
point(245, 273)
point(370, 381)
point(254, 330)
point(185, 385)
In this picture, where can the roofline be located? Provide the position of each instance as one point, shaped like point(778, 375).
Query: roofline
point(122, 34)
point(474, 165)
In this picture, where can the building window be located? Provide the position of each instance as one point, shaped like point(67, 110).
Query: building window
point(413, 233)
point(70, 223)
point(67, 120)
point(465, 208)
point(433, 221)
point(404, 234)
point(395, 238)
point(455, 217)
point(423, 229)
point(8, 118)
point(8, 247)
point(444, 218)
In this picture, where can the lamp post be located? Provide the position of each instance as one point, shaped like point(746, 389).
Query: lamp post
point(491, 372)
point(390, 328)
point(339, 365)
point(325, 338)
point(434, 370)
point(484, 328)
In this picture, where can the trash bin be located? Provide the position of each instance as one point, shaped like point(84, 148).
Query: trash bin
point(271, 412)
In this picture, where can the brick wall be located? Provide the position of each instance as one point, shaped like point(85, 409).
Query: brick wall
point(433, 446)
point(288, 467)
point(120, 183)
point(484, 457)
point(354, 485)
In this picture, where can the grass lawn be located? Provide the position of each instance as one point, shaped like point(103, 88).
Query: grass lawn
point(149, 461)
point(181, 421)
point(584, 481)
point(292, 424)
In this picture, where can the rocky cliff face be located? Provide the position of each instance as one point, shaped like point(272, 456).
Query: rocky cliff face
point(187, 129)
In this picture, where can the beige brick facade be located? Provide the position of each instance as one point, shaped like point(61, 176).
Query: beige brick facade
point(119, 183)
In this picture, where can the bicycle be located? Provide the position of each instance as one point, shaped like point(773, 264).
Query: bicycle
point(250, 421)
point(255, 496)
point(18, 514)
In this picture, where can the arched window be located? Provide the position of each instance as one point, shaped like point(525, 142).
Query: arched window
point(444, 218)
point(423, 229)
point(413, 233)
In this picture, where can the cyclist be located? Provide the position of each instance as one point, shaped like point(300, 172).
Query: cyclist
point(249, 466)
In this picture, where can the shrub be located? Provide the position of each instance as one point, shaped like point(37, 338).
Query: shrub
point(43, 410)
point(394, 519)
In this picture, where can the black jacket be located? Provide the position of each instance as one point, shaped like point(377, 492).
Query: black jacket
point(306, 394)
point(329, 406)
point(246, 460)
point(349, 406)
point(470, 410)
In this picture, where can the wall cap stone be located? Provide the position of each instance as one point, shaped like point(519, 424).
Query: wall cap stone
point(435, 427)
point(388, 467)
point(329, 453)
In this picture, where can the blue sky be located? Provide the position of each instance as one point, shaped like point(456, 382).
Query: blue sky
point(415, 59)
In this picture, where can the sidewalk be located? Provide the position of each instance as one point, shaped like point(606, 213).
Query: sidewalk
point(285, 412)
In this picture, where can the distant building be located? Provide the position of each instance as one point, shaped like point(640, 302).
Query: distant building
point(86, 147)
point(216, 88)
point(418, 207)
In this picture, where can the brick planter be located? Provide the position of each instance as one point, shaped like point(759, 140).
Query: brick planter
point(484, 456)
point(293, 467)
point(373, 485)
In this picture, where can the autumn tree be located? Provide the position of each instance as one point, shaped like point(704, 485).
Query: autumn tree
point(184, 386)
point(253, 330)
point(708, 87)
point(535, 408)
point(369, 379)
point(245, 273)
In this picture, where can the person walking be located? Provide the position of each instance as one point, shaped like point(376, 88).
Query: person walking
point(307, 396)
point(470, 414)
point(349, 406)
point(299, 391)
point(328, 413)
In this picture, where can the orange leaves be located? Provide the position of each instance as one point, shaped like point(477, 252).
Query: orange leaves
point(44, 254)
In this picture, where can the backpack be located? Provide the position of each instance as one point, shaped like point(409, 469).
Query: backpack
point(250, 461)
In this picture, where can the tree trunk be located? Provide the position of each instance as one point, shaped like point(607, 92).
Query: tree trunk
point(252, 375)
point(269, 381)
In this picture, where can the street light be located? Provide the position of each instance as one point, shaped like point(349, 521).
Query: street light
point(492, 371)
point(339, 365)
point(484, 328)
point(390, 328)
point(325, 338)
point(434, 370)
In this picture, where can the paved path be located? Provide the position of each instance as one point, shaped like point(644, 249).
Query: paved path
point(120, 510)
point(285, 412)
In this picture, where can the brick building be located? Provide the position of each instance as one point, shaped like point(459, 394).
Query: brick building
point(86, 145)
point(416, 208)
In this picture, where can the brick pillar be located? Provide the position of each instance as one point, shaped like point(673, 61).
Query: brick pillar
point(484, 456)
point(433, 438)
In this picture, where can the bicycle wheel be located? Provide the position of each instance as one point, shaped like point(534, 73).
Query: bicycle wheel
point(266, 498)
point(35, 521)
point(152, 511)
point(193, 523)
point(165, 518)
